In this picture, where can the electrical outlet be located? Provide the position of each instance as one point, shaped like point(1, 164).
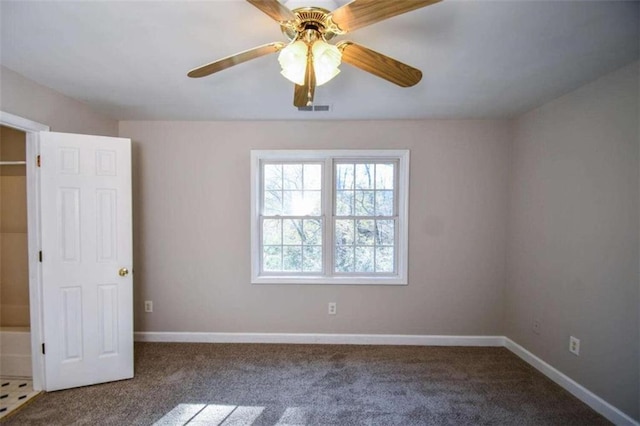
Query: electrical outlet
point(333, 308)
point(574, 345)
point(536, 326)
point(148, 306)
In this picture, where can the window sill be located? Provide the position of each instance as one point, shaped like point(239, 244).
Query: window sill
point(394, 280)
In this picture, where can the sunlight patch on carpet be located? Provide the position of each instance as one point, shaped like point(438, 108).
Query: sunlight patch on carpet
point(211, 414)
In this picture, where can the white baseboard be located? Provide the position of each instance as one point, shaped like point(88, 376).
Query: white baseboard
point(15, 356)
point(312, 338)
point(607, 410)
point(592, 400)
point(15, 365)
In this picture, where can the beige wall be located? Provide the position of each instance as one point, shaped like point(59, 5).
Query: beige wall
point(28, 99)
point(14, 272)
point(192, 242)
point(573, 236)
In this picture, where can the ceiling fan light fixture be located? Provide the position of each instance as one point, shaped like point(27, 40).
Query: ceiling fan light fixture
point(326, 60)
point(293, 60)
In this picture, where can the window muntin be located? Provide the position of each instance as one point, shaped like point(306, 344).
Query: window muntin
point(365, 216)
point(292, 189)
point(329, 217)
point(292, 221)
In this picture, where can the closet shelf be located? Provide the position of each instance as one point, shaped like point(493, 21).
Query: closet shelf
point(12, 163)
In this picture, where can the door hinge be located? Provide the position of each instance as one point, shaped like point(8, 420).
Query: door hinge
point(40, 256)
point(38, 160)
point(43, 349)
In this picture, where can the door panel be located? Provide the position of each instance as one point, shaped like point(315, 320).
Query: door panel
point(85, 195)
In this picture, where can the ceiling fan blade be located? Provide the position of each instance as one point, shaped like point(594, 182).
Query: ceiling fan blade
point(378, 64)
point(360, 13)
point(236, 59)
point(303, 95)
point(275, 9)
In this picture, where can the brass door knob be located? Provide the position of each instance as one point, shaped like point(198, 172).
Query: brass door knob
point(123, 272)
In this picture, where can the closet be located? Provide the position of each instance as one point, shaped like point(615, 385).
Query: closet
point(15, 335)
point(15, 360)
point(14, 271)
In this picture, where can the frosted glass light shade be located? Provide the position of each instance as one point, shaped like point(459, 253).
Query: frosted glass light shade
point(293, 60)
point(326, 60)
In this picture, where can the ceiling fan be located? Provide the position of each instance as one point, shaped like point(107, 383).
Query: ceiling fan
point(309, 61)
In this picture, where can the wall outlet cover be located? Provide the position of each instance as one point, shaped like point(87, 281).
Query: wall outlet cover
point(332, 308)
point(574, 345)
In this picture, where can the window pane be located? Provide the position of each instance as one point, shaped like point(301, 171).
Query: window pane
point(364, 232)
point(292, 176)
point(364, 176)
point(364, 259)
point(312, 232)
point(384, 259)
point(302, 203)
point(385, 232)
point(292, 258)
point(364, 203)
point(311, 203)
point(292, 231)
point(344, 259)
point(384, 176)
point(291, 203)
point(272, 232)
point(384, 203)
point(272, 258)
point(272, 176)
point(344, 176)
point(272, 203)
point(344, 232)
point(312, 258)
point(344, 203)
point(312, 176)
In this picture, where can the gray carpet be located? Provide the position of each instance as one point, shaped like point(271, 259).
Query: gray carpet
point(207, 384)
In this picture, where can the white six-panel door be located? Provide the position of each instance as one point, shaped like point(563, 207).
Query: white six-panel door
point(85, 194)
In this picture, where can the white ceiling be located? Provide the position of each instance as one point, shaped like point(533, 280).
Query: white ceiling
point(480, 59)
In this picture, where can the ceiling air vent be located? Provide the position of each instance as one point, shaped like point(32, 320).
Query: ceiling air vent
point(315, 108)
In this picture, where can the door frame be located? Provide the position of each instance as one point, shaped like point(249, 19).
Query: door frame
point(31, 128)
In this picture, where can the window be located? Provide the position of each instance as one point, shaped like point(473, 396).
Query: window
point(329, 217)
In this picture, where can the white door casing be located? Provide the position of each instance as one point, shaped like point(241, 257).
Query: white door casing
point(86, 231)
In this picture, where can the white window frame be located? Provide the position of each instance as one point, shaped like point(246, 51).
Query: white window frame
point(328, 158)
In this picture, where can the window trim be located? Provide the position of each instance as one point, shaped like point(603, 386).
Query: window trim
point(329, 158)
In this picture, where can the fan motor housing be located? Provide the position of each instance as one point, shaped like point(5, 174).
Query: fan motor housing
point(310, 18)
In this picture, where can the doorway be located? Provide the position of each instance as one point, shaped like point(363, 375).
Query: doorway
point(14, 269)
point(29, 129)
point(16, 385)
